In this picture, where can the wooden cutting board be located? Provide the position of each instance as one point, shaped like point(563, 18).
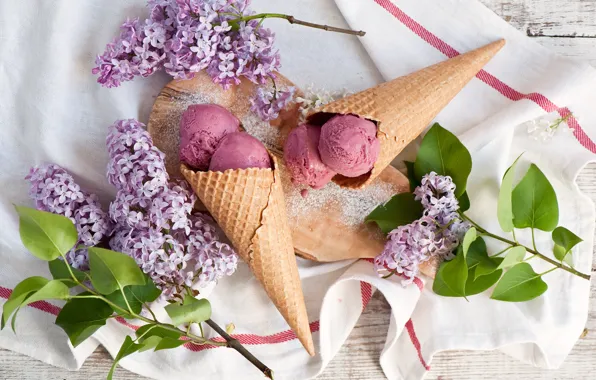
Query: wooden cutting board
point(325, 226)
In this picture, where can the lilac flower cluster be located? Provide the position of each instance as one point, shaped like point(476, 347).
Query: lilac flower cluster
point(155, 222)
point(436, 234)
point(151, 219)
point(184, 37)
point(54, 190)
point(267, 104)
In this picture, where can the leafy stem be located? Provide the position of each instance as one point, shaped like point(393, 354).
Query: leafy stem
point(293, 20)
point(193, 338)
point(533, 240)
point(558, 122)
point(150, 312)
point(500, 252)
point(126, 300)
point(533, 251)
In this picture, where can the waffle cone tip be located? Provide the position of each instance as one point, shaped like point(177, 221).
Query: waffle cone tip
point(249, 206)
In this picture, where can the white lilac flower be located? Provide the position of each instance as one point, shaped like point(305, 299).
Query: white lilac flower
point(544, 130)
point(436, 234)
point(316, 98)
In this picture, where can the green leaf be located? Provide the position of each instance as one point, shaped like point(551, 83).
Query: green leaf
point(136, 295)
point(191, 311)
point(414, 182)
point(519, 284)
point(20, 293)
point(486, 267)
point(81, 317)
point(534, 202)
point(150, 330)
point(469, 238)
point(53, 290)
point(451, 277)
point(559, 252)
point(464, 202)
point(401, 209)
point(569, 260)
point(47, 236)
point(128, 347)
point(111, 270)
point(443, 153)
point(59, 271)
point(477, 258)
point(476, 252)
point(479, 283)
point(564, 240)
point(169, 343)
point(150, 343)
point(514, 256)
point(504, 205)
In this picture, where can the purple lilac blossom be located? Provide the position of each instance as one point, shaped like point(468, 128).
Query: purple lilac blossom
point(268, 103)
point(155, 221)
point(54, 190)
point(436, 234)
point(184, 37)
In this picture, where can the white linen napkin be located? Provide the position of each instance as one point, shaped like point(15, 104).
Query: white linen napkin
point(51, 109)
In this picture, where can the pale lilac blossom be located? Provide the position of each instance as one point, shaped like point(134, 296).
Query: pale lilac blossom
point(436, 234)
point(151, 219)
point(156, 224)
point(184, 37)
point(54, 190)
point(268, 103)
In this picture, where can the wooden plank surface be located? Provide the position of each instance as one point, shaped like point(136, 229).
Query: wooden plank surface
point(569, 28)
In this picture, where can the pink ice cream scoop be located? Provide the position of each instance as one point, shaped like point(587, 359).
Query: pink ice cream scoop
point(349, 145)
point(202, 127)
point(301, 154)
point(239, 150)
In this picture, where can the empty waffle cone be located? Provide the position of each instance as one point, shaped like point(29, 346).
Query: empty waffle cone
point(248, 204)
point(404, 107)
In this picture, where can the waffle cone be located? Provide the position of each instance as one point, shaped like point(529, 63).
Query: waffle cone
point(404, 107)
point(248, 204)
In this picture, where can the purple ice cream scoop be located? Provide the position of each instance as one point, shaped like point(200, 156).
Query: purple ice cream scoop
point(239, 150)
point(349, 145)
point(301, 154)
point(202, 127)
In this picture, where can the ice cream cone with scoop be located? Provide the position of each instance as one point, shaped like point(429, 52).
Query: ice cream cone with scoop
point(362, 133)
point(239, 182)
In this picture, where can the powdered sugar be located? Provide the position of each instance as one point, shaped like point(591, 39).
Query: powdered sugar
point(352, 206)
point(262, 130)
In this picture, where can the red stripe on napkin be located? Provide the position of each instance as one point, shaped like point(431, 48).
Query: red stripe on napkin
point(366, 293)
point(486, 77)
point(416, 343)
point(39, 305)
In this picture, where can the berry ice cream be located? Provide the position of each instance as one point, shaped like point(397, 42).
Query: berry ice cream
point(301, 154)
point(239, 150)
point(202, 127)
point(349, 145)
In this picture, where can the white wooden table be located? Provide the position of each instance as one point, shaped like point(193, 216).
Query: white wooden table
point(569, 28)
